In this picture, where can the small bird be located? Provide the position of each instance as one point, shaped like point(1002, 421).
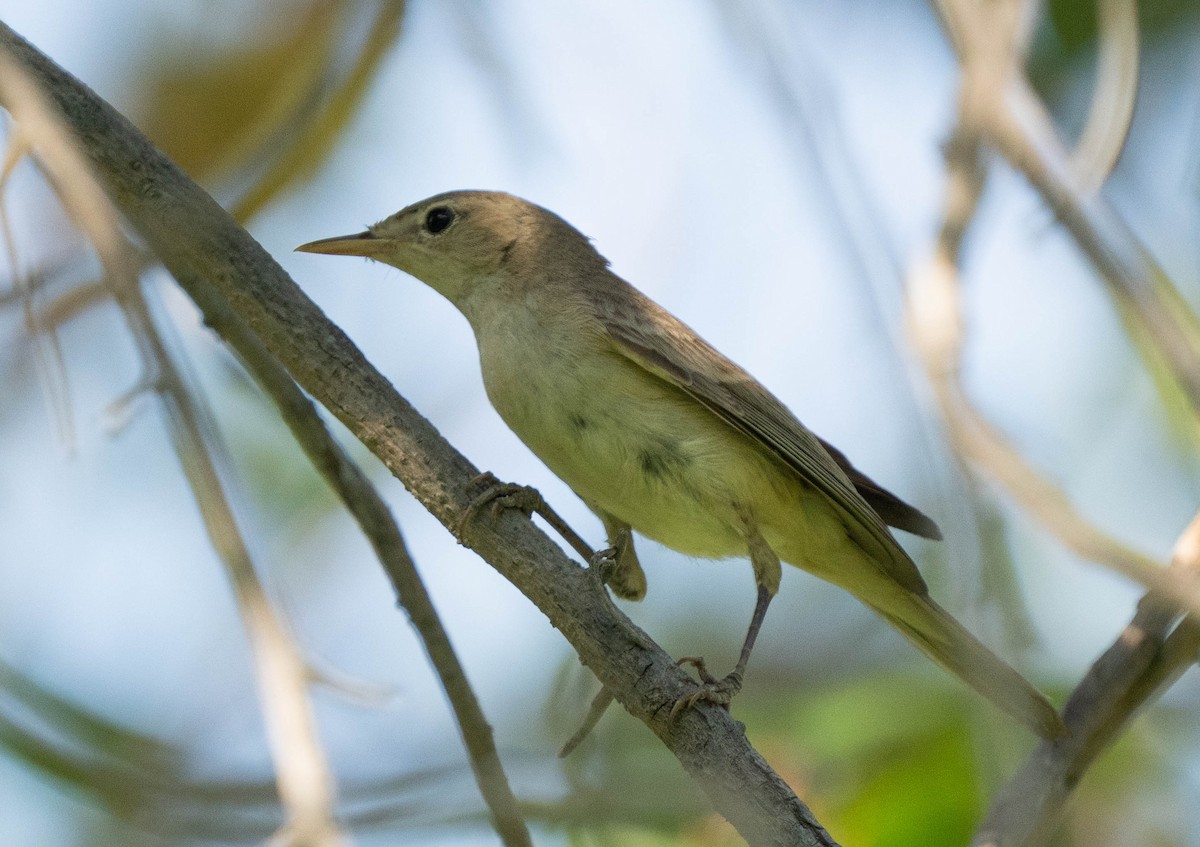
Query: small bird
point(658, 432)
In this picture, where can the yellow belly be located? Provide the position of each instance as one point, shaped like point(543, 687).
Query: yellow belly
point(652, 457)
point(637, 447)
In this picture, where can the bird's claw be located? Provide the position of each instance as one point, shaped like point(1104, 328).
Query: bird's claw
point(711, 690)
point(496, 496)
point(602, 565)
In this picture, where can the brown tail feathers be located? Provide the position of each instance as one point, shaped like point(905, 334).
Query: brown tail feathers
point(947, 642)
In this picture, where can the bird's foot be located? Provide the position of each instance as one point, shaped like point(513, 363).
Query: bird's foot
point(712, 690)
point(602, 565)
point(496, 496)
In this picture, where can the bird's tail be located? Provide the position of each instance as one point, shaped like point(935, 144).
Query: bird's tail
point(947, 642)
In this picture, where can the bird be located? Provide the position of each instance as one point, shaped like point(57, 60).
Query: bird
point(659, 433)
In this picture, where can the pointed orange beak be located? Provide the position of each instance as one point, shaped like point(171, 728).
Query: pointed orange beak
point(362, 244)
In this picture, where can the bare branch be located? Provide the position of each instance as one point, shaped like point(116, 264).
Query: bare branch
point(47, 350)
point(1148, 655)
point(936, 328)
point(372, 514)
point(935, 322)
point(1012, 120)
point(1144, 660)
point(305, 784)
point(1111, 112)
point(197, 240)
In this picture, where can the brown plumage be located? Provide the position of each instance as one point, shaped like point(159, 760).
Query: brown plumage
point(659, 432)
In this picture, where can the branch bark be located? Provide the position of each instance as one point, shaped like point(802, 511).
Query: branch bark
point(202, 245)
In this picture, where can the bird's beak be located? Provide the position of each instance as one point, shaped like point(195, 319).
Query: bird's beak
point(362, 244)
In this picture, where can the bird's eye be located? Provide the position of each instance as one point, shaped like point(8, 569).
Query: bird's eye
point(438, 218)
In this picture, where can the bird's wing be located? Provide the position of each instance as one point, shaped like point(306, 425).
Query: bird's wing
point(894, 511)
point(666, 347)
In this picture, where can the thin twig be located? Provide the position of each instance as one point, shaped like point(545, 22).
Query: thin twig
point(73, 303)
point(596, 710)
point(1111, 111)
point(376, 521)
point(1144, 660)
point(302, 773)
point(197, 240)
point(47, 348)
point(1148, 655)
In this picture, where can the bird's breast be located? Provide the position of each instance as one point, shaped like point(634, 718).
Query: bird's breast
point(625, 440)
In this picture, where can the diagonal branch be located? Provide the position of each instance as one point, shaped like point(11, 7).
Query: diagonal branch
point(199, 242)
point(376, 521)
point(277, 656)
point(305, 784)
point(1146, 658)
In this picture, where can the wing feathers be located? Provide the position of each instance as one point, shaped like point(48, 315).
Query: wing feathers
point(659, 342)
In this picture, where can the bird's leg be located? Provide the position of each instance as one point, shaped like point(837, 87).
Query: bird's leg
point(600, 704)
point(497, 496)
point(767, 575)
point(618, 566)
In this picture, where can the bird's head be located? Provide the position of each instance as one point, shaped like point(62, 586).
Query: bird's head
point(462, 241)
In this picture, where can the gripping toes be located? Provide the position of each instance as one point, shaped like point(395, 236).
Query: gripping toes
point(496, 496)
point(602, 565)
point(711, 690)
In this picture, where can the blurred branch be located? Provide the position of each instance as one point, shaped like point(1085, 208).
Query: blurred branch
point(1145, 659)
point(308, 143)
point(1111, 112)
point(1148, 655)
point(376, 521)
point(198, 241)
point(936, 326)
point(807, 103)
point(305, 784)
point(75, 300)
point(142, 782)
point(47, 351)
point(83, 728)
point(372, 514)
point(146, 784)
point(1010, 118)
point(596, 710)
point(935, 321)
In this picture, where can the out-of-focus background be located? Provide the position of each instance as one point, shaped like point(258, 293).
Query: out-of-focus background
point(768, 171)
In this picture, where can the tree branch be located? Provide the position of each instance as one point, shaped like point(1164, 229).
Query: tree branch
point(305, 784)
point(1144, 660)
point(362, 501)
point(376, 521)
point(1148, 655)
point(198, 241)
point(1013, 121)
